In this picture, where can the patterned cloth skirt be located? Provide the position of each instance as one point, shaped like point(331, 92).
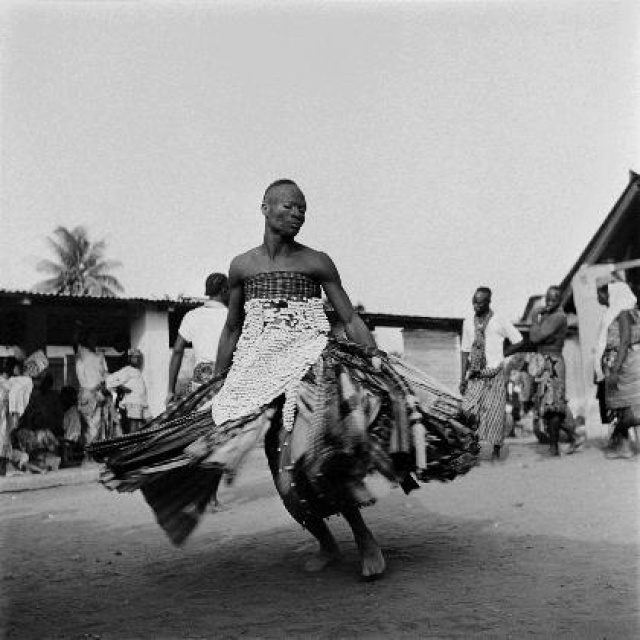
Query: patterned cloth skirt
point(486, 400)
point(354, 420)
point(626, 394)
point(551, 386)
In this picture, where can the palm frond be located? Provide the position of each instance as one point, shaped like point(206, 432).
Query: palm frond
point(110, 281)
point(48, 266)
point(105, 265)
point(51, 285)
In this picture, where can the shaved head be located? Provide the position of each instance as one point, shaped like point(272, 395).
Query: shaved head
point(278, 183)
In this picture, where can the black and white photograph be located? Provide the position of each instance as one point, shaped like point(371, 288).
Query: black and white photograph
point(319, 319)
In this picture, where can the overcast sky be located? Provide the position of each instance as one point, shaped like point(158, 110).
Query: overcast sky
point(441, 145)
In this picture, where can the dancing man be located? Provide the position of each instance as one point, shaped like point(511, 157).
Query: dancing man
point(333, 412)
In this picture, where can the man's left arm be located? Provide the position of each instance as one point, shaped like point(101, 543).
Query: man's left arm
point(354, 325)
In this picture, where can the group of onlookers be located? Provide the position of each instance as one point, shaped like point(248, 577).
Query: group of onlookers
point(31, 414)
point(486, 381)
point(489, 385)
point(42, 428)
point(537, 382)
point(38, 424)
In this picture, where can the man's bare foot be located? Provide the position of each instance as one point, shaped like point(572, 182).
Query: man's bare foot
point(321, 561)
point(373, 562)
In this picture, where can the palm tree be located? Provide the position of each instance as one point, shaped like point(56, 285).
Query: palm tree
point(80, 268)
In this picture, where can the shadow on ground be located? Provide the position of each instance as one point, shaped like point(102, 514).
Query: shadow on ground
point(448, 577)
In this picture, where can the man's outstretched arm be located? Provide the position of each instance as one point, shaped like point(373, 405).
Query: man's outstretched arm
point(174, 366)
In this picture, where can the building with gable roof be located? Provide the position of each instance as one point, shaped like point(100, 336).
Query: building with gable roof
point(614, 247)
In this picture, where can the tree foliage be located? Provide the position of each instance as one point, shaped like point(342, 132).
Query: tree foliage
point(79, 267)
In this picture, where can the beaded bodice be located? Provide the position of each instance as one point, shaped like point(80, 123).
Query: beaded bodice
point(284, 285)
point(284, 332)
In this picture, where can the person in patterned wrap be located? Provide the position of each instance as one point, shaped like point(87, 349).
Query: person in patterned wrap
point(337, 414)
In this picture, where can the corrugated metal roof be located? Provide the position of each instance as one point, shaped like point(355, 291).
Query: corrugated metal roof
point(372, 318)
point(412, 322)
point(160, 301)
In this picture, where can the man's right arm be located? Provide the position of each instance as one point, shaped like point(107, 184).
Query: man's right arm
point(465, 346)
point(235, 317)
point(174, 366)
point(516, 342)
point(546, 327)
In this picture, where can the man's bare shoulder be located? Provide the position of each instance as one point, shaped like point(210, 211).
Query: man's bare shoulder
point(313, 256)
point(320, 264)
point(243, 264)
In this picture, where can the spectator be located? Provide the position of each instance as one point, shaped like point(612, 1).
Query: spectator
point(514, 402)
point(547, 336)
point(602, 294)
point(130, 382)
point(621, 366)
point(20, 388)
point(91, 370)
point(202, 328)
point(121, 360)
point(41, 426)
point(483, 382)
point(5, 424)
point(74, 428)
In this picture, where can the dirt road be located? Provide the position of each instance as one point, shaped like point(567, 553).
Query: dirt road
point(529, 548)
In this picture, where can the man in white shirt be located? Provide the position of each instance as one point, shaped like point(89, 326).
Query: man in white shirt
point(483, 381)
point(202, 328)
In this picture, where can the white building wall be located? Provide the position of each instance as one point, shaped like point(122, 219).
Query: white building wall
point(389, 339)
point(436, 352)
point(150, 334)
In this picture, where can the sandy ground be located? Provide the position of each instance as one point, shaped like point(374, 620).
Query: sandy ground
point(531, 547)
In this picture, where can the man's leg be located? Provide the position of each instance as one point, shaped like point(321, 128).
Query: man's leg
point(570, 429)
point(553, 428)
point(328, 551)
point(373, 562)
point(315, 525)
point(619, 443)
point(91, 412)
